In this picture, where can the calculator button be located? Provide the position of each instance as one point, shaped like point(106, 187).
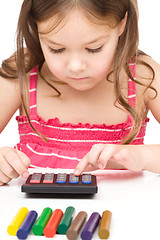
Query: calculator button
point(73, 179)
point(48, 178)
point(86, 179)
point(36, 178)
point(61, 178)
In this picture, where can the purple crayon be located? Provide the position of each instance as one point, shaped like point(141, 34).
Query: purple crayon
point(26, 226)
point(90, 226)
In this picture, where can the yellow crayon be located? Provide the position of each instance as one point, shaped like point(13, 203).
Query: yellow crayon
point(17, 221)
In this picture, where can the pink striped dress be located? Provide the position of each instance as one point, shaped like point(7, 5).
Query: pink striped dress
point(68, 143)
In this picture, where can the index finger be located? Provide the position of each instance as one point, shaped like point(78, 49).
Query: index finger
point(24, 158)
point(82, 165)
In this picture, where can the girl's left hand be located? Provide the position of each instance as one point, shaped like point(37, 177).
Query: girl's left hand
point(129, 156)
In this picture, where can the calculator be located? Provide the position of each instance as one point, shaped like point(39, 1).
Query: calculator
point(61, 183)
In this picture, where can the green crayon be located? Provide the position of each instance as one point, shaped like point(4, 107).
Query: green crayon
point(42, 221)
point(66, 220)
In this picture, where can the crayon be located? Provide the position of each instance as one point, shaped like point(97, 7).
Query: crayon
point(51, 227)
point(104, 226)
point(90, 226)
point(42, 221)
point(76, 226)
point(66, 220)
point(17, 221)
point(26, 226)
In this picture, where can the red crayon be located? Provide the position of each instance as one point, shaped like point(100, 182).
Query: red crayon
point(51, 227)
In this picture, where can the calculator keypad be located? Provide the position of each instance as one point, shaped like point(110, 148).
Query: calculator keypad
point(61, 178)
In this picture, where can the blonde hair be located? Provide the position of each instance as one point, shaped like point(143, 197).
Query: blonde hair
point(33, 11)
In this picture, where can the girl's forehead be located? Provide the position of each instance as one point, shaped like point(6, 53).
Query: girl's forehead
point(74, 23)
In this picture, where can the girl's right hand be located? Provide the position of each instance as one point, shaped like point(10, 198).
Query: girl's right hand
point(12, 164)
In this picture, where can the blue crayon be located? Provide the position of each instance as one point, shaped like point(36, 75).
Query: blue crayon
point(90, 226)
point(26, 226)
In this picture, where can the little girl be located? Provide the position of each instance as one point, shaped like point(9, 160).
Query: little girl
point(82, 87)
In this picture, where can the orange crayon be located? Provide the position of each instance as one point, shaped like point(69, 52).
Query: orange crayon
point(51, 227)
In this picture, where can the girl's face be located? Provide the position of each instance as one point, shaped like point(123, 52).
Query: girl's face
point(80, 53)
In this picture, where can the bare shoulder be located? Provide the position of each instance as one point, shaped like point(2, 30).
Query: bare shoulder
point(10, 99)
point(149, 75)
point(9, 86)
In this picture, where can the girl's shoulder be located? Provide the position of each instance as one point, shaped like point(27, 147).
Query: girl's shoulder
point(9, 87)
point(10, 100)
point(145, 66)
point(148, 74)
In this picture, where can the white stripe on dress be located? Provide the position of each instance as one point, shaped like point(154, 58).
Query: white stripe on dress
point(78, 129)
point(32, 90)
point(72, 141)
point(52, 154)
point(131, 96)
point(33, 106)
point(77, 141)
point(34, 73)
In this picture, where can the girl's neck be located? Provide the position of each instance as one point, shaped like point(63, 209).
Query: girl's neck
point(103, 86)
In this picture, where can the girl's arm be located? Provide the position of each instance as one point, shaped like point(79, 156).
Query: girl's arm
point(152, 152)
point(132, 157)
point(12, 162)
point(10, 100)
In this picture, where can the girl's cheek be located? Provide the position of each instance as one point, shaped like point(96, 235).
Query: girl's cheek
point(103, 69)
point(56, 68)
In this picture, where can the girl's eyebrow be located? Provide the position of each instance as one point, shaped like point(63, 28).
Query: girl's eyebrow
point(92, 41)
point(97, 39)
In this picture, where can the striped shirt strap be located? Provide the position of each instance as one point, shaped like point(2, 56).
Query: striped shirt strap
point(33, 92)
point(132, 86)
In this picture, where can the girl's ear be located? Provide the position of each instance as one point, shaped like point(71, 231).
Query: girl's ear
point(122, 24)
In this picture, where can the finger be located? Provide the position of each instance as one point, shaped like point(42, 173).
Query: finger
point(4, 178)
point(90, 168)
point(24, 158)
point(81, 165)
point(15, 161)
point(90, 159)
point(7, 169)
point(93, 155)
point(106, 155)
point(1, 183)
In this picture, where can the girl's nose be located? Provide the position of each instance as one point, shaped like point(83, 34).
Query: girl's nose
point(76, 64)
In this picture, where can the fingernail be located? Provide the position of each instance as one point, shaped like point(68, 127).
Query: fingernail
point(76, 172)
point(25, 175)
point(100, 166)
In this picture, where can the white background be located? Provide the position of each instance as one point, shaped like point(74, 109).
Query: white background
point(149, 21)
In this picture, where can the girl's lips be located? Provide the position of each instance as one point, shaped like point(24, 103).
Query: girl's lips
point(78, 79)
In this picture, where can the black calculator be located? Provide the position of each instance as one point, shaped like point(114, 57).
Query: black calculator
point(61, 183)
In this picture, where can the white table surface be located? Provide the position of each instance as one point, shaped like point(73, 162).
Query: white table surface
point(133, 199)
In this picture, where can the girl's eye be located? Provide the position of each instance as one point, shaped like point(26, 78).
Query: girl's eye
point(56, 50)
point(96, 50)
